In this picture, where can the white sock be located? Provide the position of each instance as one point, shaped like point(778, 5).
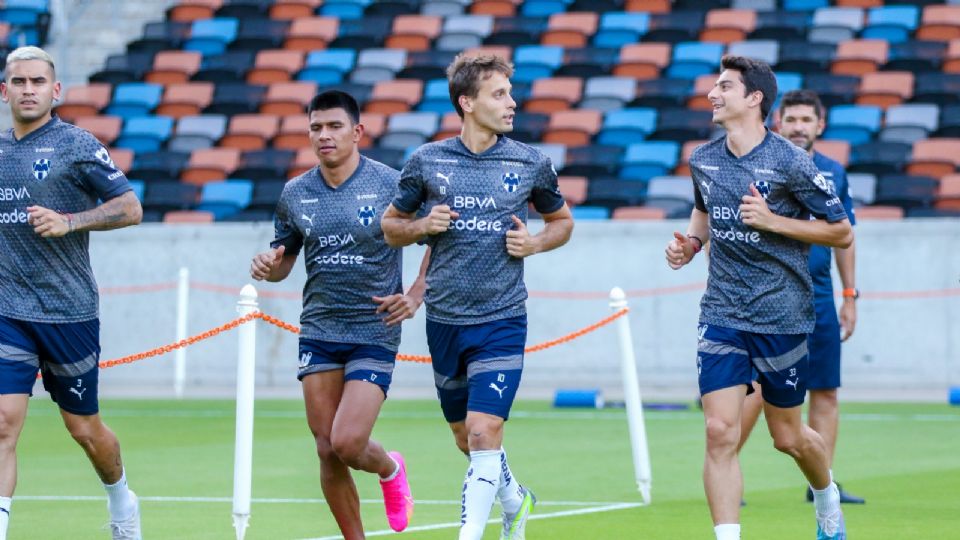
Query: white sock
point(479, 491)
point(395, 472)
point(826, 500)
point(727, 531)
point(119, 502)
point(510, 495)
point(5, 503)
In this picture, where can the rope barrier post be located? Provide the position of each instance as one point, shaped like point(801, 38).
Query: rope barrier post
point(631, 393)
point(183, 303)
point(243, 449)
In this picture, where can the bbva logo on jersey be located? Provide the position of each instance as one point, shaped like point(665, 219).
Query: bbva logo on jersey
point(366, 215)
point(41, 168)
point(511, 181)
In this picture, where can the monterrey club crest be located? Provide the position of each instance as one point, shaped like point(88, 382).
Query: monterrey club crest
point(511, 181)
point(763, 187)
point(41, 168)
point(366, 214)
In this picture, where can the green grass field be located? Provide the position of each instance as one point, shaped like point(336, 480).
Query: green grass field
point(905, 459)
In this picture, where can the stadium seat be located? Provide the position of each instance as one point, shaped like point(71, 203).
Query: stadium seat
point(728, 25)
point(894, 24)
point(805, 57)
point(230, 66)
point(643, 60)
point(258, 34)
point(171, 67)
point(463, 31)
point(443, 8)
point(83, 100)
point(658, 93)
point(138, 187)
point(674, 27)
point(192, 217)
point(343, 9)
point(409, 129)
point(948, 194)
point(284, 98)
point(767, 50)
point(804, 5)
point(573, 189)
point(394, 96)
point(166, 196)
point(391, 157)
point(360, 34)
point(573, 127)
point(571, 30)
point(236, 98)
point(312, 33)
point(625, 126)
point(618, 29)
point(185, 99)
point(934, 157)
point(833, 89)
point(210, 164)
point(885, 88)
point(250, 131)
point(161, 36)
point(293, 133)
point(693, 58)
point(328, 66)
point(590, 213)
point(266, 195)
point(123, 68)
point(838, 151)
point(879, 213)
point(436, 97)
point(225, 198)
point(105, 128)
point(859, 56)
point(164, 165)
point(782, 26)
point(863, 187)
point(134, 99)
point(244, 9)
point(683, 167)
point(638, 213)
point(264, 165)
point(554, 94)
point(910, 122)
point(919, 57)
point(293, 9)
point(588, 62)
point(516, 31)
point(534, 62)
point(879, 157)
point(939, 23)
point(392, 8)
point(593, 161)
point(608, 93)
point(426, 65)
point(375, 65)
point(556, 152)
point(542, 8)
point(673, 208)
point(191, 10)
point(212, 36)
point(906, 191)
point(528, 127)
point(122, 158)
point(145, 133)
point(670, 187)
point(414, 32)
point(451, 124)
point(682, 124)
point(644, 160)
point(277, 65)
point(835, 24)
point(648, 6)
point(854, 123)
point(612, 193)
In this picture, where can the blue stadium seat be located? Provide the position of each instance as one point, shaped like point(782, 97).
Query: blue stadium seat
point(327, 66)
point(122, 68)
point(593, 161)
point(138, 188)
point(804, 5)
point(365, 33)
point(694, 58)
point(259, 34)
point(516, 31)
point(163, 165)
point(647, 159)
point(879, 157)
point(788, 81)
point(617, 29)
point(590, 213)
point(916, 56)
point(626, 126)
point(782, 26)
point(145, 133)
point(134, 99)
point(611, 193)
point(344, 9)
point(588, 62)
point(436, 97)
point(211, 36)
point(853, 123)
point(536, 62)
point(675, 26)
point(264, 165)
point(426, 65)
point(223, 199)
point(230, 67)
point(543, 8)
point(892, 23)
point(662, 92)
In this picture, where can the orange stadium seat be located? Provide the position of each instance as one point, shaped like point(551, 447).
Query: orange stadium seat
point(573, 189)
point(414, 32)
point(836, 150)
point(948, 194)
point(4, 31)
point(105, 128)
point(859, 3)
point(951, 58)
point(503, 51)
point(573, 127)
point(683, 166)
point(879, 212)
point(650, 6)
point(399, 95)
point(498, 8)
point(191, 217)
point(859, 56)
point(728, 25)
point(293, 9)
point(306, 159)
point(122, 158)
point(84, 101)
point(293, 134)
point(250, 131)
point(885, 88)
point(173, 67)
point(284, 98)
point(450, 126)
point(635, 213)
point(643, 60)
point(571, 30)
point(277, 65)
point(311, 33)
point(554, 94)
point(191, 10)
point(209, 164)
point(934, 157)
point(186, 99)
point(374, 124)
point(702, 86)
point(939, 23)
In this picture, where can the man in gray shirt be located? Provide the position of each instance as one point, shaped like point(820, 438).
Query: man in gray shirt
point(353, 305)
point(474, 192)
point(51, 176)
point(755, 192)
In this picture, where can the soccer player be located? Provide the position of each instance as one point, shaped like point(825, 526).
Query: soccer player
point(474, 192)
point(755, 192)
point(802, 121)
point(353, 304)
point(51, 176)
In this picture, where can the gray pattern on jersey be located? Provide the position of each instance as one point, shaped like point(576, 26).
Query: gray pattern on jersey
point(759, 281)
point(64, 168)
point(471, 278)
point(347, 260)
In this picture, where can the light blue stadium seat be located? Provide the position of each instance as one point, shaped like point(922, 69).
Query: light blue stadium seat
point(375, 65)
point(225, 198)
point(854, 123)
point(134, 99)
point(211, 36)
point(145, 133)
point(767, 50)
point(536, 62)
point(788, 81)
point(590, 213)
point(139, 187)
point(804, 5)
point(327, 67)
point(617, 29)
point(647, 159)
point(543, 8)
point(694, 58)
point(892, 23)
point(627, 126)
point(344, 9)
point(436, 97)
point(409, 129)
point(671, 187)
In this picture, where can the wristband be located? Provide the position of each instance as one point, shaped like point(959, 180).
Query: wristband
point(69, 222)
point(851, 293)
point(698, 246)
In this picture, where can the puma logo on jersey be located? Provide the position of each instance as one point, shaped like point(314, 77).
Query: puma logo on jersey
point(792, 383)
point(79, 392)
point(445, 177)
point(498, 389)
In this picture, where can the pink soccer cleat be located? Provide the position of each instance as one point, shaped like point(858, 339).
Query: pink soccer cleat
point(397, 499)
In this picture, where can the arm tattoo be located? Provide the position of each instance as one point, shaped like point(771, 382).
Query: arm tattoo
point(116, 213)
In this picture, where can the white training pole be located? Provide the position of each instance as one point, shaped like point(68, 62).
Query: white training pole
point(243, 449)
point(631, 394)
point(183, 304)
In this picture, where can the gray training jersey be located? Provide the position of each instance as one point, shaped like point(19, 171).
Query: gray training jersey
point(64, 168)
point(759, 281)
point(347, 260)
point(471, 278)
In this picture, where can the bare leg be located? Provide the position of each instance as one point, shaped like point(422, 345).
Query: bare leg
point(459, 430)
point(803, 444)
point(321, 395)
point(13, 412)
point(100, 444)
point(722, 480)
point(350, 436)
point(824, 418)
point(752, 406)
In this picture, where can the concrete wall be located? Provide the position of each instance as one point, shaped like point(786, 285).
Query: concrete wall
point(907, 340)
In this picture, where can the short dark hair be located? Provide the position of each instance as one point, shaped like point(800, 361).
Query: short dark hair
point(465, 73)
point(335, 99)
point(756, 76)
point(802, 97)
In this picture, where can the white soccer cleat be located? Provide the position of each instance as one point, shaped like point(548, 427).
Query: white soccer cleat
point(515, 525)
point(128, 529)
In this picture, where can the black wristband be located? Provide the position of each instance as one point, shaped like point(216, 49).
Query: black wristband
point(699, 246)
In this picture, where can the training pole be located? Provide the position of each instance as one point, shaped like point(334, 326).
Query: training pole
point(631, 395)
point(183, 305)
point(243, 449)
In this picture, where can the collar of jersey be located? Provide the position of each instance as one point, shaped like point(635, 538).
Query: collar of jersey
point(748, 155)
point(341, 187)
point(37, 132)
point(501, 140)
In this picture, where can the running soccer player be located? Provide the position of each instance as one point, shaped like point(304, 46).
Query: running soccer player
point(755, 192)
point(474, 191)
point(802, 121)
point(51, 175)
point(353, 304)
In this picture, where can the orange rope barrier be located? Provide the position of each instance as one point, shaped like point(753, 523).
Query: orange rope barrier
point(296, 330)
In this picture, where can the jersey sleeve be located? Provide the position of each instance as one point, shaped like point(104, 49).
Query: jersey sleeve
point(411, 191)
point(545, 195)
point(285, 231)
point(843, 188)
point(94, 170)
point(813, 191)
point(698, 201)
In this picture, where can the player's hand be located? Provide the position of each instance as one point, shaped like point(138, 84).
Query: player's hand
point(679, 251)
point(46, 222)
point(264, 263)
point(439, 218)
point(397, 307)
point(755, 212)
point(848, 318)
point(520, 243)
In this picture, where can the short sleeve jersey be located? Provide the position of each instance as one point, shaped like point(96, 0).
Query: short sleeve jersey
point(347, 260)
point(759, 281)
point(63, 168)
point(820, 255)
point(471, 278)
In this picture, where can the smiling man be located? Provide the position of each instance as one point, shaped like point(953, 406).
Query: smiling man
point(474, 191)
point(52, 174)
point(755, 192)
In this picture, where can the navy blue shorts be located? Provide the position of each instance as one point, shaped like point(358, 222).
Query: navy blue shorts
point(477, 367)
point(67, 354)
point(370, 363)
point(824, 344)
point(728, 357)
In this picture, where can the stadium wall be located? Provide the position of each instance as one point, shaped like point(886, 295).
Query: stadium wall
point(907, 340)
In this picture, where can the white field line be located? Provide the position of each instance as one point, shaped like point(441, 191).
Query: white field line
point(289, 500)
